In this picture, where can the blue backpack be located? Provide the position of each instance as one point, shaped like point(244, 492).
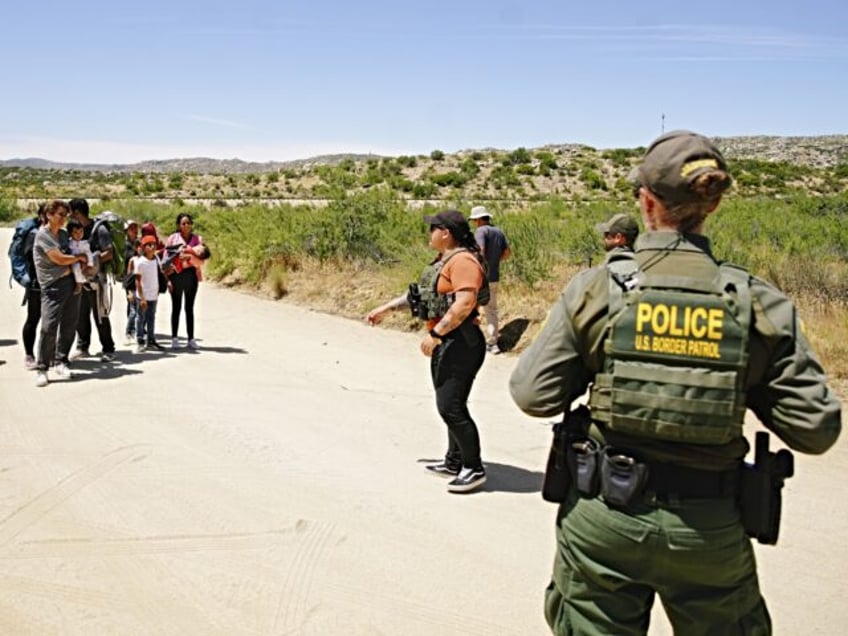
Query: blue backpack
point(17, 257)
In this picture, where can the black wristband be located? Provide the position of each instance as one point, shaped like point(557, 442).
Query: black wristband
point(433, 334)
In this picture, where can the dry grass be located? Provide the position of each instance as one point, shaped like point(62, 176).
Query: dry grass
point(826, 326)
point(350, 291)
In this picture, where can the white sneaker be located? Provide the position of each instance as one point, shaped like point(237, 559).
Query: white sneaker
point(139, 348)
point(467, 480)
point(61, 370)
point(175, 343)
point(192, 344)
point(30, 363)
point(41, 378)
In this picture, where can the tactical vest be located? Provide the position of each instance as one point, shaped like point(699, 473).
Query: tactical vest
point(676, 355)
point(434, 305)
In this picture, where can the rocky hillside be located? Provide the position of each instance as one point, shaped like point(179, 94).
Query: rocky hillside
point(761, 165)
point(816, 152)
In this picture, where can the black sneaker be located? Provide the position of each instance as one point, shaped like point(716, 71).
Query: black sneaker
point(467, 480)
point(155, 345)
point(444, 469)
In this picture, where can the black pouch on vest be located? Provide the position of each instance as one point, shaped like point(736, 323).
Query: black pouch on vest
point(583, 461)
point(557, 478)
point(622, 477)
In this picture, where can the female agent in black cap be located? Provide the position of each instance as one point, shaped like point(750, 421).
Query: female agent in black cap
point(447, 298)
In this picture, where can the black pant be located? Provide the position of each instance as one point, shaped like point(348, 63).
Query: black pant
point(88, 306)
point(30, 330)
point(59, 311)
point(184, 283)
point(453, 367)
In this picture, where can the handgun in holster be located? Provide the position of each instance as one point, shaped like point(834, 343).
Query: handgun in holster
point(561, 471)
point(760, 490)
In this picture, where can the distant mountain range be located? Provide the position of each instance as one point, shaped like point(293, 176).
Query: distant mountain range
point(819, 151)
point(197, 165)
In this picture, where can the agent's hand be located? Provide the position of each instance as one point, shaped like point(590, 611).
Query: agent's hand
point(429, 344)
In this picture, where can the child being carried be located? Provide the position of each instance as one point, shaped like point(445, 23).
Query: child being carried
point(78, 245)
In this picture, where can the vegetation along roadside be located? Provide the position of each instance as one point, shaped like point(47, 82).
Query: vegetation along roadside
point(362, 239)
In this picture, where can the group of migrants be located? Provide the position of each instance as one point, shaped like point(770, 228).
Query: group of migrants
point(652, 358)
point(67, 262)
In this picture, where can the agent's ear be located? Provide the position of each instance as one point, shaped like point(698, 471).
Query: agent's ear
point(649, 206)
point(714, 206)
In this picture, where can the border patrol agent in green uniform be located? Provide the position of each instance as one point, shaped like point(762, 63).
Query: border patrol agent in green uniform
point(674, 346)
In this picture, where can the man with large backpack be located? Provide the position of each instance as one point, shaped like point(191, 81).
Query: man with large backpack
point(23, 272)
point(99, 236)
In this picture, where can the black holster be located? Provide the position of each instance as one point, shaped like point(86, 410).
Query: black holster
point(559, 473)
point(760, 494)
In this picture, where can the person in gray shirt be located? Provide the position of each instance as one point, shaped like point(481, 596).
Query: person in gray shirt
point(59, 304)
point(495, 248)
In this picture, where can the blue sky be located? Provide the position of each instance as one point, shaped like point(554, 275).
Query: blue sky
point(261, 80)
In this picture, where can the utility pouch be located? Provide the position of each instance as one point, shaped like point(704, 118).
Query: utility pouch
point(760, 497)
point(557, 478)
point(413, 297)
point(583, 462)
point(623, 478)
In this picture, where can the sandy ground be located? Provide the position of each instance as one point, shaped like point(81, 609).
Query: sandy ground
point(273, 483)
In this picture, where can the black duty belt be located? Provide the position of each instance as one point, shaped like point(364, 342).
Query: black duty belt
point(693, 483)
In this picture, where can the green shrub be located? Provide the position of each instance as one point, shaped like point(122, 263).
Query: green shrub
point(9, 211)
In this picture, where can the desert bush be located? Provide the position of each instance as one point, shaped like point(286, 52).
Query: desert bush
point(517, 157)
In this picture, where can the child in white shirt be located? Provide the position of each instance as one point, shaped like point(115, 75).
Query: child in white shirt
point(79, 246)
point(146, 269)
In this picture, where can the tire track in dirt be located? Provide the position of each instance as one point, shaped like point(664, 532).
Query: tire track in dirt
point(296, 593)
point(60, 592)
point(145, 545)
point(30, 512)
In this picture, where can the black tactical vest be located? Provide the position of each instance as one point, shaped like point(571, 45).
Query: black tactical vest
point(432, 304)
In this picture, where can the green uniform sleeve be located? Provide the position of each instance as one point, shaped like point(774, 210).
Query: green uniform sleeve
point(787, 386)
point(551, 373)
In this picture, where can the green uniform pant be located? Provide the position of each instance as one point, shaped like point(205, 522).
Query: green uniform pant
point(693, 553)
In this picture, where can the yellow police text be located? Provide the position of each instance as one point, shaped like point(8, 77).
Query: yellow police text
point(679, 321)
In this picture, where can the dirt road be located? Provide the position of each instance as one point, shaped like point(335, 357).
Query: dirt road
point(272, 483)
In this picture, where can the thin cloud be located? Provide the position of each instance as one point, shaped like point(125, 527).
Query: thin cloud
point(223, 123)
point(682, 33)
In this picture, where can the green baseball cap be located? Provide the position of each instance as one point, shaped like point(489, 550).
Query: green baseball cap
point(673, 162)
point(620, 223)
